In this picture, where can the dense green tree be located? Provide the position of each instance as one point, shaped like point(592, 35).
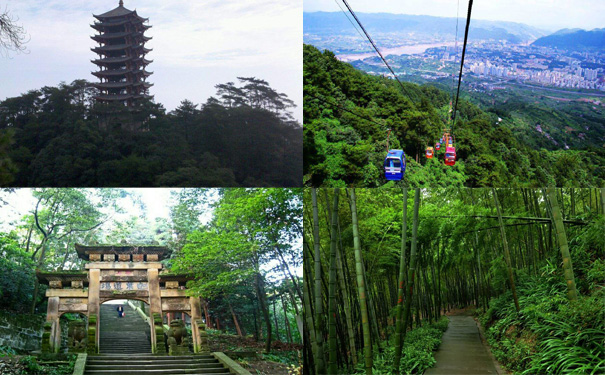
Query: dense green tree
point(59, 136)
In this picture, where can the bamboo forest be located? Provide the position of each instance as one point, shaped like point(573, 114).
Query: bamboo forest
point(454, 281)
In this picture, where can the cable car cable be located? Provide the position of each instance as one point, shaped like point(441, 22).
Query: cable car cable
point(351, 21)
point(377, 51)
point(455, 54)
point(468, 22)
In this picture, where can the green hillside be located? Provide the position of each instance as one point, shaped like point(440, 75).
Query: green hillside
point(342, 147)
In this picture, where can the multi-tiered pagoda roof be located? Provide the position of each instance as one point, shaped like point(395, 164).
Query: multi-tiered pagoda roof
point(121, 53)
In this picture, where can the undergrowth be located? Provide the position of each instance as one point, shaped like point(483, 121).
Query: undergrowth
point(417, 354)
point(30, 365)
point(551, 335)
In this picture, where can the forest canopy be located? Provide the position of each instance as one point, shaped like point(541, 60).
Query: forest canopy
point(59, 136)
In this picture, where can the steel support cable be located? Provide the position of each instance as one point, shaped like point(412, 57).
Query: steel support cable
point(378, 51)
point(455, 54)
point(350, 21)
point(468, 22)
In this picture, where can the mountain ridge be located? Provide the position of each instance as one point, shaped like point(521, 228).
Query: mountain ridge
point(322, 23)
point(574, 39)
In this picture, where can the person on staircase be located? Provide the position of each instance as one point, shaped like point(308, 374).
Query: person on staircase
point(120, 310)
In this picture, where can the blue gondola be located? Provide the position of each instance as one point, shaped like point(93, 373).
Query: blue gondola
point(394, 165)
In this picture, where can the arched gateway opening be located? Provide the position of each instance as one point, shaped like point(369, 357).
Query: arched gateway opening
point(124, 327)
point(131, 275)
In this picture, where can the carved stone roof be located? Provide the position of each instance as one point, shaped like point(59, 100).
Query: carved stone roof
point(84, 251)
point(64, 276)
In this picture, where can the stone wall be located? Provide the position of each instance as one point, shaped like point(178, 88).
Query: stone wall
point(21, 331)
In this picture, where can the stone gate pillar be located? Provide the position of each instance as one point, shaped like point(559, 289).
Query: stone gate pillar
point(155, 309)
point(52, 316)
point(93, 310)
point(196, 318)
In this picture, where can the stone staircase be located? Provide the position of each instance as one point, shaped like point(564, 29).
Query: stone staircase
point(150, 364)
point(125, 348)
point(127, 335)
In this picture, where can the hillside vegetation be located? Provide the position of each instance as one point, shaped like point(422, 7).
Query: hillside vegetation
point(60, 136)
point(342, 147)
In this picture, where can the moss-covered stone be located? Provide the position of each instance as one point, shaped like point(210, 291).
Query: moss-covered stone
point(21, 331)
point(92, 333)
point(160, 345)
point(46, 338)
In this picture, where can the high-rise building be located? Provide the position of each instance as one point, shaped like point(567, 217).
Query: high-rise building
point(121, 53)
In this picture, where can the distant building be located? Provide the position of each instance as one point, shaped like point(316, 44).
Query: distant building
point(121, 59)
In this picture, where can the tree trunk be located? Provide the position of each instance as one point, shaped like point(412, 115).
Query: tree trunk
point(286, 321)
point(506, 252)
point(333, 364)
point(562, 241)
point(310, 323)
point(320, 365)
point(412, 267)
point(260, 290)
point(346, 298)
point(367, 340)
point(400, 326)
point(237, 327)
point(275, 318)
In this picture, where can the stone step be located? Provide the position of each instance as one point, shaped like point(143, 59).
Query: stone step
point(152, 362)
point(125, 343)
point(153, 366)
point(173, 371)
point(140, 349)
point(151, 357)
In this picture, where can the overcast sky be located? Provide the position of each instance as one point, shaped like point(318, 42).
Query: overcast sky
point(196, 45)
point(547, 14)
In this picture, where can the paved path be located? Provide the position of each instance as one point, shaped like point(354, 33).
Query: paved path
point(461, 350)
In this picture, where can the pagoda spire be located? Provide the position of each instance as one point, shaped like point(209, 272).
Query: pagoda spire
point(121, 61)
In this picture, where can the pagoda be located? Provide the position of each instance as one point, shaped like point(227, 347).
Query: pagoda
point(121, 53)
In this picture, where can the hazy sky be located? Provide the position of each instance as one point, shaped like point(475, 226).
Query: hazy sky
point(196, 45)
point(548, 14)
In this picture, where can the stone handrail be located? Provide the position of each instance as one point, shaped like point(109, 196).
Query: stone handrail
point(234, 367)
point(143, 315)
point(80, 365)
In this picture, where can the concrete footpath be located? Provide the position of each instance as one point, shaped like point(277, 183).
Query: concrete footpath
point(461, 350)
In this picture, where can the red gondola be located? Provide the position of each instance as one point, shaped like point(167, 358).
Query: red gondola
point(429, 153)
point(450, 156)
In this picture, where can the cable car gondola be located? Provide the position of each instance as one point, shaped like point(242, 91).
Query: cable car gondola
point(429, 153)
point(394, 165)
point(450, 156)
point(438, 146)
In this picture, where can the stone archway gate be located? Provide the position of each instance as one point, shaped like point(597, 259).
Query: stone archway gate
point(118, 272)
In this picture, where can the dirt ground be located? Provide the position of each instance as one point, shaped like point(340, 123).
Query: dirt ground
point(252, 358)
